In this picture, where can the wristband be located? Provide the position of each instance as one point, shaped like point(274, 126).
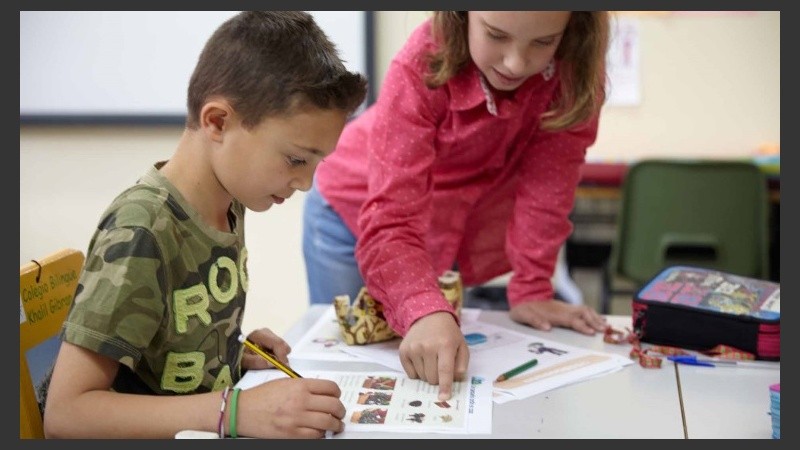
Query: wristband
point(234, 401)
point(221, 423)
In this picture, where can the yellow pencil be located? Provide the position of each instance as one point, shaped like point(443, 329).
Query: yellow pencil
point(269, 357)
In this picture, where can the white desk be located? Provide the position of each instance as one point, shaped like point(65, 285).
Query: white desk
point(631, 403)
point(727, 402)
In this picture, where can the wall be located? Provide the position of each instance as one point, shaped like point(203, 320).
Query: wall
point(711, 86)
point(69, 175)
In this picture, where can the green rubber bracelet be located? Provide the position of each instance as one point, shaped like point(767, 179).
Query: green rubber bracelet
point(234, 403)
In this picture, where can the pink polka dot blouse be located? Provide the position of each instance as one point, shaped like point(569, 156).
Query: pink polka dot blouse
point(428, 178)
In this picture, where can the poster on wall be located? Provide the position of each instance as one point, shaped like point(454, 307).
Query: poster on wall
point(623, 86)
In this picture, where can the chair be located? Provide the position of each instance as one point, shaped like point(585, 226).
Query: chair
point(704, 213)
point(46, 290)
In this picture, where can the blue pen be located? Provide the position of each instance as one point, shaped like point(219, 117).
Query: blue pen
point(689, 360)
point(692, 360)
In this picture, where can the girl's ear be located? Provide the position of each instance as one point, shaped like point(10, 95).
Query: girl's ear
point(215, 117)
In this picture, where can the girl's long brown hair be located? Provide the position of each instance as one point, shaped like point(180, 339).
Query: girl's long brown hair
point(582, 56)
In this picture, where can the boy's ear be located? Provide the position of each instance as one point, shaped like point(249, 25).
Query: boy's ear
point(215, 118)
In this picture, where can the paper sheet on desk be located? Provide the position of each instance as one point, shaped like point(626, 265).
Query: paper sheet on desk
point(323, 341)
point(386, 401)
point(559, 364)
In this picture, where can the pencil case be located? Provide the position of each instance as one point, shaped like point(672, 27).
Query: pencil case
point(699, 309)
point(363, 322)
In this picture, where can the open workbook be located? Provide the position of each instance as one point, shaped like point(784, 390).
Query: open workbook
point(388, 401)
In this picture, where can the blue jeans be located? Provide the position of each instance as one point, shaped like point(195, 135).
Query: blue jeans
point(329, 252)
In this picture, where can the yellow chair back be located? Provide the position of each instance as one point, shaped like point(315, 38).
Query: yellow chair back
point(46, 291)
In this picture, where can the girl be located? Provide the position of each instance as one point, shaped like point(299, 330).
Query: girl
point(470, 158)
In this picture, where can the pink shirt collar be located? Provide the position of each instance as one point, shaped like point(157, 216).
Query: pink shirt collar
point(475, 91)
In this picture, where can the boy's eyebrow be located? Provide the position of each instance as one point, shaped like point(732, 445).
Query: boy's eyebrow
point(315, 151)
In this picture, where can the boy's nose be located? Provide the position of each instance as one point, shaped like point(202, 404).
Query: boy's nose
point(303, 181)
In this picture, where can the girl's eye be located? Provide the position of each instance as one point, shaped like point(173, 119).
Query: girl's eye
point(294, 162)
point(496, 37)
point(545, 42)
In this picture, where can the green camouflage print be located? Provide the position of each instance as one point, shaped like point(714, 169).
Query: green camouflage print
point(163, 293)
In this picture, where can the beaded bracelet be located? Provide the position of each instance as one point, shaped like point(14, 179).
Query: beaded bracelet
point(221, 423)
point(234, 401)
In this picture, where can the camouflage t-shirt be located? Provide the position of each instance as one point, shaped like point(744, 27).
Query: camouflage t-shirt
point(162, 292)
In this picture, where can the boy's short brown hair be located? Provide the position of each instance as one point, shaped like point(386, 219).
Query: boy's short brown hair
point(271, 62)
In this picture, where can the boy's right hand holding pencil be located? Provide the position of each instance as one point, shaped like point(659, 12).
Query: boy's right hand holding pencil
point(302, 408)
point(293, 407)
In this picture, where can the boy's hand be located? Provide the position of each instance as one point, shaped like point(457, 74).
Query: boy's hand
point(435, 351)
point(269, 341)
point(544, 315)
point(302, 408)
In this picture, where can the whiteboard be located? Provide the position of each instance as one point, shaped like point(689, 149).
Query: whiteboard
point(119, 66)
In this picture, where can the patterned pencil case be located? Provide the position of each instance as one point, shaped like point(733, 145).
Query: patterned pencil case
point(699, 309)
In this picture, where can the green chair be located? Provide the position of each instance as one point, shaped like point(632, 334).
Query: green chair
point(693, 212)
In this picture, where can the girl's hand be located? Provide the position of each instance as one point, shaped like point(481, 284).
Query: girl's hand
point(544, 315)
point(434, 350)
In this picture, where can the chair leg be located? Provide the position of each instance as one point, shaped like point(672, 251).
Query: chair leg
point(563, 284)
point(606, 291)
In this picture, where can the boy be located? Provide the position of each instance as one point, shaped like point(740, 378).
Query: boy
point(151, 346)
